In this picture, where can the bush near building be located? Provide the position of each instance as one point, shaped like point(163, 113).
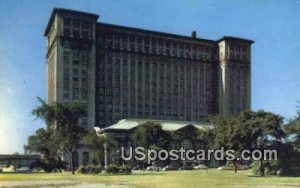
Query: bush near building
point(89, 169)
point(114, 169)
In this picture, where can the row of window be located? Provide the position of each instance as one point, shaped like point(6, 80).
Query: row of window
point(159, 47)
point(76, 28)
point(79, 75)
point(124, 80)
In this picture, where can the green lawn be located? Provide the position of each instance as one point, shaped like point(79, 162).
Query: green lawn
point(212, 178)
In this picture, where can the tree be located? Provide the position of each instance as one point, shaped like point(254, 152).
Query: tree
point(150, 135)
point(268, 131)
point(229, 135)
point(42, 142)
point(292, 129)
point(64, 120)
point(291, 163)
point(249, 130)
point(97, 142)
point(39, 143)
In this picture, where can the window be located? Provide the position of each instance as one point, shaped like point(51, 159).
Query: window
point(84, 94)
point(66, 57)
point(75, 72)
point(108, 41)
point(75, 62)
point(117, 41)
point(181, 46)
point(75, 28)
point(85, 30)
point(168, 46)
point(66, 96)
point(67, 22)
point(84, 121)
point(75, 79)
point(160, 47)
point(66, 26)
point(132, 42)
point(124, 41)
point(75, 33)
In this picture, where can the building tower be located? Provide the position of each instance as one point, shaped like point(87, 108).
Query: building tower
point(71, 60)
point(234, 75)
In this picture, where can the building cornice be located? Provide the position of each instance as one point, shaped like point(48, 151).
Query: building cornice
point(66, 11)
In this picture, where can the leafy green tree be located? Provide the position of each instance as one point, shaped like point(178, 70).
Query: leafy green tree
point(42, 142)
point(150, 135)
point(250, 130)
point(291, 158)
point(97, 142)
point(229, 135)
point(292, 129)
point(64, 120)
point(39, 143)
point(268, 131)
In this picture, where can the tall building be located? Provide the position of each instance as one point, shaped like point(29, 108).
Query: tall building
point(119, 72)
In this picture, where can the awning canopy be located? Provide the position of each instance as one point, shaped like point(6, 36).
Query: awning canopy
point(129, 124)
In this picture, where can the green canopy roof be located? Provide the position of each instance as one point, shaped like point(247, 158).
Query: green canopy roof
point(128, 124)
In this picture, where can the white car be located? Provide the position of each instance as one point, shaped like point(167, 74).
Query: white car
point(153, 168)
point(23, 169)
point(200, 167)
point(10, 168)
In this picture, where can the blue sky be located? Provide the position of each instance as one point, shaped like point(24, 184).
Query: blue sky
point(274, 25)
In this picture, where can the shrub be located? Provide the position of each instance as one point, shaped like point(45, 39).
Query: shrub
point(48, 165)
point(81, 170)
point(89, 169)
point(112, 169)
point(96, 169)
point(125, 169)
point(271, 167)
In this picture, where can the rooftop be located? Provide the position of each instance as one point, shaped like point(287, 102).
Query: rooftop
point(134, 29)
point(235, 38)
point(129, 124)
point(95, 16)
point(66, 11)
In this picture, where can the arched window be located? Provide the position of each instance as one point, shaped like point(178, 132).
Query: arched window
point(85, 158)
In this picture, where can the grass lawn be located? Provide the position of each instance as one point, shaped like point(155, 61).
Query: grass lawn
point(212, 178)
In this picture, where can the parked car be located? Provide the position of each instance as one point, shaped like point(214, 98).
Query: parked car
point(186, 167)
point(10, 168)
point(138, 167)
point(231, 167)
point(201, 167)
point(244, 167)
point(170, 167)
point(153, 168)
point(23, 169)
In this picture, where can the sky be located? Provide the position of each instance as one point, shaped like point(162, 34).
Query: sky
point(274, 25)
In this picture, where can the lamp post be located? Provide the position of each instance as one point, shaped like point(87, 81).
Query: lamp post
point(100, 132)
point(105, 156)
